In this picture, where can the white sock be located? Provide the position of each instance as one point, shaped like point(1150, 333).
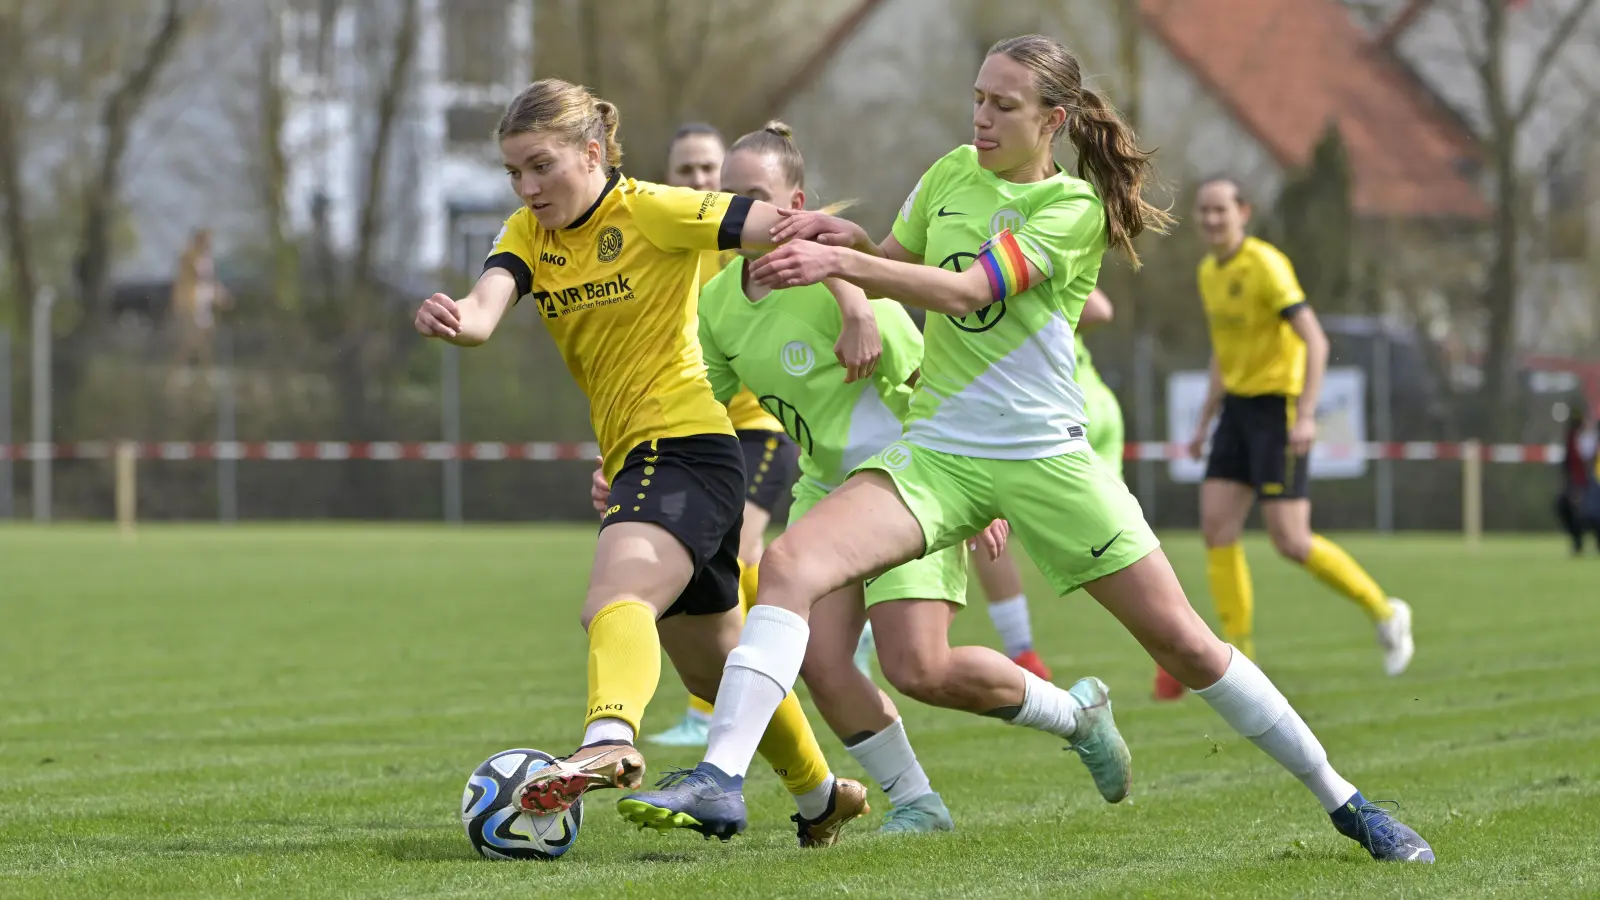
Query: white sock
point(607, 730)
point(813, 803)
point(756, 678)
point(1011, 619)
point(889, 760)
point(1046, 707)
point(1247, 700)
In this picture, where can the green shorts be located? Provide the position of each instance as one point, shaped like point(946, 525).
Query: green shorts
point(937, 576)
point(1075, 519)
point(1105, 424)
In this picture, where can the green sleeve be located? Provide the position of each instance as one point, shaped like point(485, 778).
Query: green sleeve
point(724, 383)
point(1065, 238)
point(911, 225)
point(902, 342)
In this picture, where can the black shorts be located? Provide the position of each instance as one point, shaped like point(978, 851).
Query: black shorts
point(771, 462)
point(694, 488)
point(1251, 446)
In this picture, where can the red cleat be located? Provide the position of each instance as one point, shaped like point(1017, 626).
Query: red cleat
point(1030, 660)
point(1167, 687)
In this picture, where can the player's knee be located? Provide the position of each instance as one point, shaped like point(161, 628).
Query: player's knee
point(785, 578)
point(921, 676)
point(1292, 545)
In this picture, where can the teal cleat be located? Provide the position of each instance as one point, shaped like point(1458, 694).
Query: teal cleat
point(691, 731)
point(1098, 743)
point(865, 647)
point(924, 815)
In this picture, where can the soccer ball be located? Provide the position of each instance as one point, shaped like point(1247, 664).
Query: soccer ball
point(497, 827)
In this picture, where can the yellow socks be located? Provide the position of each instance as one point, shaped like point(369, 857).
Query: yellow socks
point(1233, 595)
point(790, 747)
point(747, 595)
point(1337, 570)
point(748, 579)
point(624, 661)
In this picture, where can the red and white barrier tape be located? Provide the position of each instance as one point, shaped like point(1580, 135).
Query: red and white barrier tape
point(543, 451)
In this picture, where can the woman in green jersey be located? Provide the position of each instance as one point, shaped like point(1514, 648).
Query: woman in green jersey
point(1003, 246)
point(783, 346)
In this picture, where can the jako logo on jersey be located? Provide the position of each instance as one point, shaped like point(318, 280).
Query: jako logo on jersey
point(895, 457)
point(609, 245)
point(551, 259)
point(555, 304)
point(798, 358)
point(1006, 218)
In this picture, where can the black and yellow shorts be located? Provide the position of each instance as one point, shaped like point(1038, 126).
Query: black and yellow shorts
point(771, 462)
point(1251, 446)
point(694, 488)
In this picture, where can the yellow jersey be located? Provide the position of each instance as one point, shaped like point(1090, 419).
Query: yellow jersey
point(618, 290)
point(744, 409)
point(1249, 300)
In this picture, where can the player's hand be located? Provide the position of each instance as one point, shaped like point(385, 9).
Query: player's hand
point(795, 265)
point(599, 489)
point(439, 316)
point(1303, 435)
point(810, 225)
point(1197, 445)
point(859, 347)
point(992, 540)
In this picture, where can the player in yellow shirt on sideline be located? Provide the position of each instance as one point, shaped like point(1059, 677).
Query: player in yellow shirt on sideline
point(611, 264)
point(694, 160)
point(1268, 356)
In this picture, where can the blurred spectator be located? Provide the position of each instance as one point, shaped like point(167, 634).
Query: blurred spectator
point(197, 295)
point(1578, 505)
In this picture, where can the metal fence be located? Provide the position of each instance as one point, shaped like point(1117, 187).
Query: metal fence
point(259, 424)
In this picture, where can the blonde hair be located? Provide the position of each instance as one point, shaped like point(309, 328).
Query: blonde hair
point(1109, 156)
point(777, 139)
point(553, 106)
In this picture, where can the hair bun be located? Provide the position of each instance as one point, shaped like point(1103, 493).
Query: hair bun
point(780, 129)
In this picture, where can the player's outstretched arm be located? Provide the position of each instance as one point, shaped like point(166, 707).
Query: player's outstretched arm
point(925, 287)
point(469, 321)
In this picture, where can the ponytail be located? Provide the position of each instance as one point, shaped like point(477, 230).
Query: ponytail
point(1109, 158)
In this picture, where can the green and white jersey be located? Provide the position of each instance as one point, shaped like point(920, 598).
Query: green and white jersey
point(781, 348)
point(999, 383)
point(1085, 374)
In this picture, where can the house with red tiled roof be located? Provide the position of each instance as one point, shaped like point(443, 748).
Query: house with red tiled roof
point(1243, 86)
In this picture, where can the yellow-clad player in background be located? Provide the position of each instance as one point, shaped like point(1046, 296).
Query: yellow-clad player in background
point(610, 264)
point(1268, 357)
point(694, 160)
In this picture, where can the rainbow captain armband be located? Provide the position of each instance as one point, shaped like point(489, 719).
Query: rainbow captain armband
point(1002, 260)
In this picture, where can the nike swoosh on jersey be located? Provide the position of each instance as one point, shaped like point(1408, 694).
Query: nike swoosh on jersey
point(943, 213)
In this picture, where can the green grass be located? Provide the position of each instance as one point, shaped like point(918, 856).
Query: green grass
point(293, 711)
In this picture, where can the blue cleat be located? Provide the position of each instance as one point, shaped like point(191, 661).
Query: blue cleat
point(1385, 837)
point(703, 799)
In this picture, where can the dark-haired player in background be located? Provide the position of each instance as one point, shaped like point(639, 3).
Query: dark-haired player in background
point(694, 160)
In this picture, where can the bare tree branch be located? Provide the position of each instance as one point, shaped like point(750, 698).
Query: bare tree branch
point(93, 265)
point(19, 245)
point(390, 99)
point(1565, 28)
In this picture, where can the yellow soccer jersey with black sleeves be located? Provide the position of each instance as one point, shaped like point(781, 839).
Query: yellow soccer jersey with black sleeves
point(618, 291)
point(744, 409)
point(1249, 300)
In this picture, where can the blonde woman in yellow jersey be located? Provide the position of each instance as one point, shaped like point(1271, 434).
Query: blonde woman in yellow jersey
point(1268, 356)
point(611, 264)
point(694, 160)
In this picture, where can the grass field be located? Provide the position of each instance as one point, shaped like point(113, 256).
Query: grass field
point(292, 711)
